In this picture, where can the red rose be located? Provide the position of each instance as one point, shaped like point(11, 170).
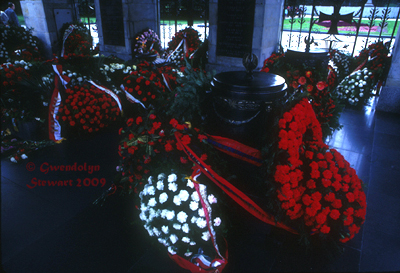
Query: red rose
point(139, 120)
point(186, 139)
point(183, 160)
point(334, 214)
point(325, 229)
point(168, 147)
point(302, 80)
point(337, 203)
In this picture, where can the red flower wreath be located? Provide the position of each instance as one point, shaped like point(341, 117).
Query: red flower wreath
point(314, 184)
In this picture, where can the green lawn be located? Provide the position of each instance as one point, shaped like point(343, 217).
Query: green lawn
point(342, 30)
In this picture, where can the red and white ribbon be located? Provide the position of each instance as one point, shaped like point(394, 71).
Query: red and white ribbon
point(109, 92)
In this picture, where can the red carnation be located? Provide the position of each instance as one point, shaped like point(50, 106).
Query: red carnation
point(325, 229)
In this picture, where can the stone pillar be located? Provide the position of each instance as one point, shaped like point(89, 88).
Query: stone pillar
point(389, 97)
point(265, 39)
point(46, 17)
point(119, 21)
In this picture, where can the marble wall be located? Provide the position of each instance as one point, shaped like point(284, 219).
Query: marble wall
point(266, 35)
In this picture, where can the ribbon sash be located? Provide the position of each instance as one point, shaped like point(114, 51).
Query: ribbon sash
point(238, 196)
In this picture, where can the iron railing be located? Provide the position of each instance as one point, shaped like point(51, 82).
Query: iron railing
point(176, 15)
point(347, 25)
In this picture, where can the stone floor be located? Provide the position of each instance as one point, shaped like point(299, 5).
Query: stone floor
point(58, 229)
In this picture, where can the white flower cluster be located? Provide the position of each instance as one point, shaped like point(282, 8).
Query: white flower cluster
point(356, 87)
point(172, 211)
point(11, 34)
point(22, 63)
point(342, 64)
point(115, 68)
point(76, 79)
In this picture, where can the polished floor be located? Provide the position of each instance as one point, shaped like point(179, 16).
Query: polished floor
point(58, 229)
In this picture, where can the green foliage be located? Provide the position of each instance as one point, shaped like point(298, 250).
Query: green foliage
point(189, 103)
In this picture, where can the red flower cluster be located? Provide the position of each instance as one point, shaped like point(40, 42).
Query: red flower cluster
point(77, 43)
point(87, 109)
point(317, 84)
point(148, 84)
point(191, 37)
point(314, 184)
point(146, 137)
point(11, 74)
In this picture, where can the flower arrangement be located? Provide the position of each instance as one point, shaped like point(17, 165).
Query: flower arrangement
point(149, 84)
point(184, 43)
point(318, 85)
point(356, 89)
point(147, 42)
point(86, 108)
point(317, 189)
point(17, 101)
point(77, 41)
point(19, 44)
point(182, 215)
point(365, 80)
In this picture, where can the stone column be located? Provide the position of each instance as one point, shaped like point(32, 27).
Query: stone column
point(46, 17)
point(265, 37)
point(389, 97)
point(119, 21)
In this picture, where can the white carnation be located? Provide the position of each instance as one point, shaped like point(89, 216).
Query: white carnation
point(170, 215)
point(194, 205)
point(176, 226)
point(211, 199)
point(173, 238)
point(142, 216)
point(24, 156)
point(177, 200)
point(152, 202)
point(163, 197)
point(173, 187)
point(190, 184)
point(206, 236)
point(185, 228)
point(217, 221)
point(201, 222)
point(151, 190)
point(201, 212)
point(182, 216)
point(161, 176)
point(160, 185)
point(156, 231)
point(186, 240)
point(165, 229)
point(172, 177)
point(195, 196)
point(193, 220)
point(171, 250)
point(184, 195)
point(192, 243)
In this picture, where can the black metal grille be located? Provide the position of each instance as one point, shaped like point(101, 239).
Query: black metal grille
point(178, 14)
point(346, 25)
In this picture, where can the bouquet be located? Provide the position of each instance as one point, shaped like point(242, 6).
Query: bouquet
point(77, 41)
point(179, 212)
point(19, 44)
point(357, 88)
point(183, 45)
point(86, 108)
point(147, 42)
point(150, 85)
point(318, 190)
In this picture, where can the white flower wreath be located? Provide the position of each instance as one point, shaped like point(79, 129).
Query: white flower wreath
point(172, 211)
